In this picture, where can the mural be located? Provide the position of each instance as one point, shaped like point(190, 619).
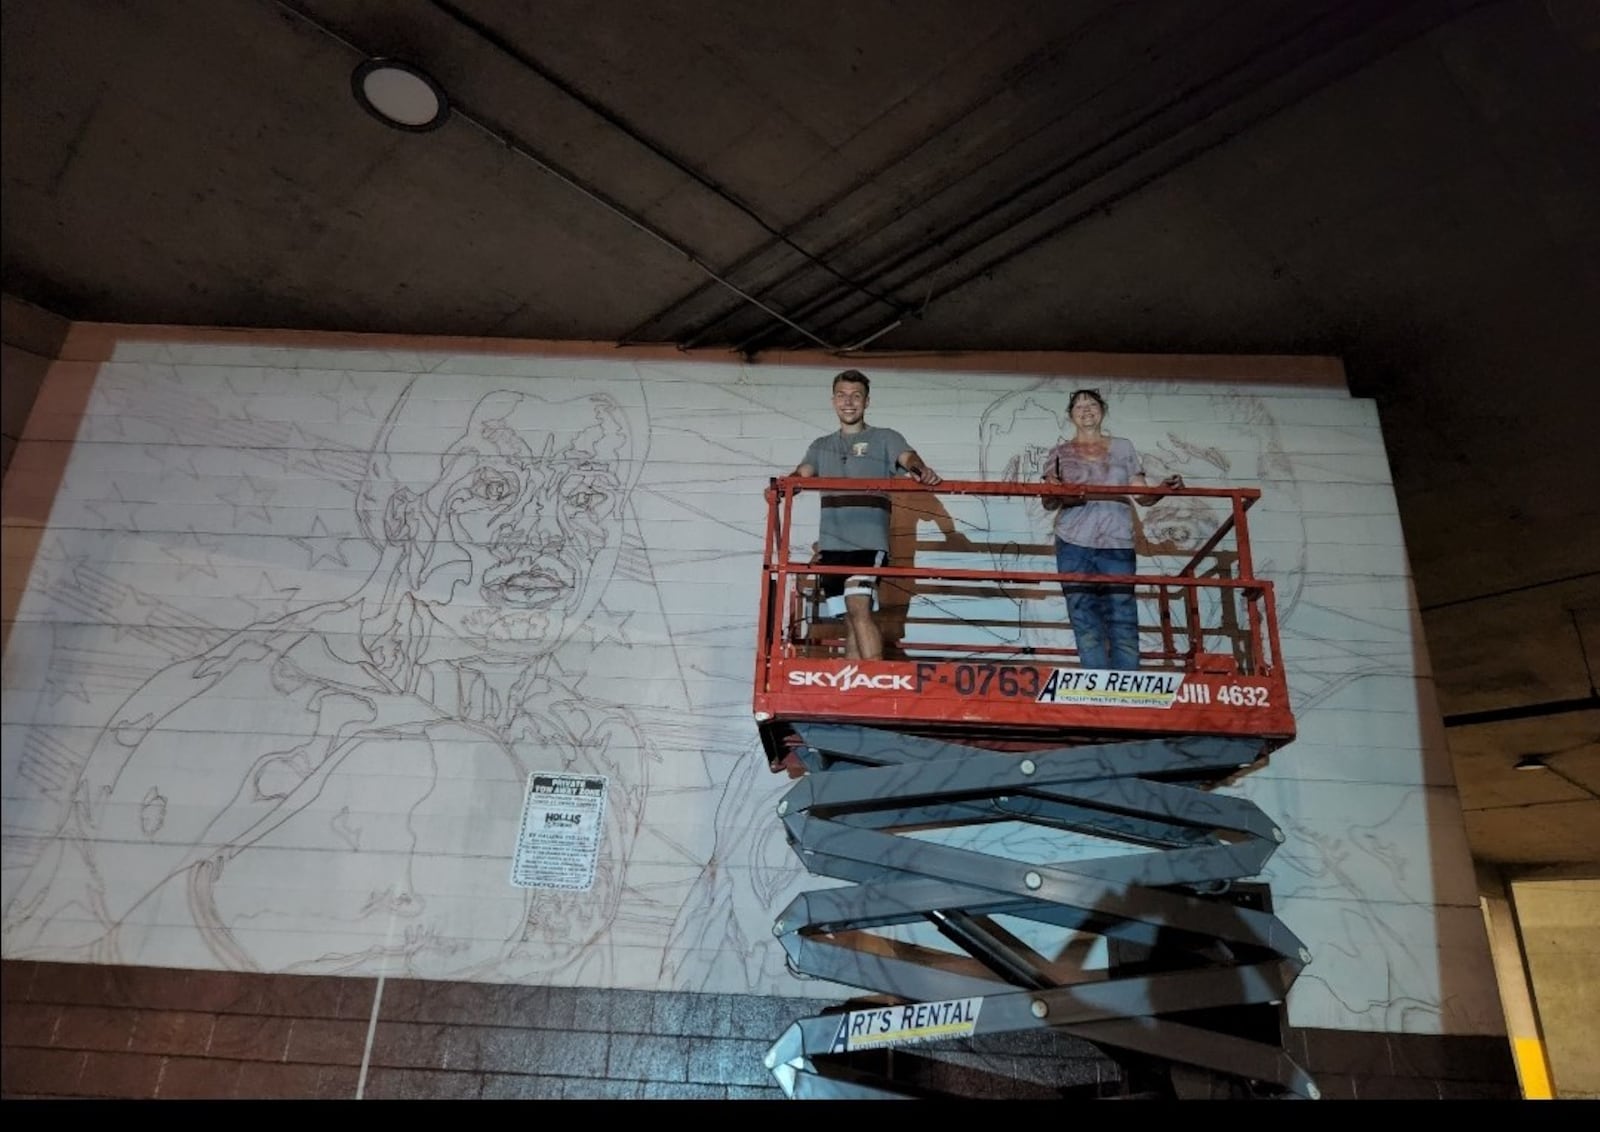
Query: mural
point(304, 621)
point(436, 676)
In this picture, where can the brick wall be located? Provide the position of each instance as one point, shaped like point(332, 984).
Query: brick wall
point(73, 1030)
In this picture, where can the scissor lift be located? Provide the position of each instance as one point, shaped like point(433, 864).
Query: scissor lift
point(1022, 844)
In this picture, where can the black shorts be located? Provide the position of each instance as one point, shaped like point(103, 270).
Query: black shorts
point(836, 587)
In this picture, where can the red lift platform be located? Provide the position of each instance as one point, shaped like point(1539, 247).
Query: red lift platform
point(1025, 844)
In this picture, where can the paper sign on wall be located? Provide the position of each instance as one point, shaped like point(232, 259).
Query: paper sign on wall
point(558, 841)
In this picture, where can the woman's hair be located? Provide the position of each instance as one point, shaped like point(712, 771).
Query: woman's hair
point(1094, 393)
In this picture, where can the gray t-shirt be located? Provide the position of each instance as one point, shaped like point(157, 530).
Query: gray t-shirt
point(1101, 523)
point(856, 522)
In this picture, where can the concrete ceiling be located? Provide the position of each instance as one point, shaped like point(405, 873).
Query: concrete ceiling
point(1411, 186)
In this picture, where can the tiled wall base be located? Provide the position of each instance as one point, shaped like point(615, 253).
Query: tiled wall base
point(130, 1032)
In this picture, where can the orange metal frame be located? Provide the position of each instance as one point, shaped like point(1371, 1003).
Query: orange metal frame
point(1021, 696)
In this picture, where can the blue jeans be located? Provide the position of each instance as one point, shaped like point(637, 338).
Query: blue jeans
point(1105, 618)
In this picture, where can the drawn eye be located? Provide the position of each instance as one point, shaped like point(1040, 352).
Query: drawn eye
point(587, 498)
point(491, 486)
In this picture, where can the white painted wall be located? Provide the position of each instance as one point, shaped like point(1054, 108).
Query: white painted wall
point(299, 751)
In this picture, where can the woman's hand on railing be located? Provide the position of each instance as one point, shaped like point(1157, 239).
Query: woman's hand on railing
point(1057, 502)
point(1172, 481)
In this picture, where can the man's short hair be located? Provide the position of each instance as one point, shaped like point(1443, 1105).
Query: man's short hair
point(856, 377)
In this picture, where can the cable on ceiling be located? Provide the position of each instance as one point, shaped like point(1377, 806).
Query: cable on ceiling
point(572, 181)
point(621, 125)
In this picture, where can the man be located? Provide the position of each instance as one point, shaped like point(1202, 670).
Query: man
point(855, 527)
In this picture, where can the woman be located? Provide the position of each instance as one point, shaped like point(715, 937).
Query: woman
point(1095, 536)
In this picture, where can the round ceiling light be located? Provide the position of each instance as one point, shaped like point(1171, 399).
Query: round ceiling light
point(399, 95)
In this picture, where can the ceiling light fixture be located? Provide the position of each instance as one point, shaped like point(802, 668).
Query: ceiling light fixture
point(422, 105)
point(399, 95)
point(1541, 762)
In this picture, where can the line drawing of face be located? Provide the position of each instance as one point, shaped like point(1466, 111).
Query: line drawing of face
point(504, 541)
point(511, 543)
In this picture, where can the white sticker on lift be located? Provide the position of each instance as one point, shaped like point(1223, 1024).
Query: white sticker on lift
point(558, 843)
point(907, 1025)
point(1102, 687)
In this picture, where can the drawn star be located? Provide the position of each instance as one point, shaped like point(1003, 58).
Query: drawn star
point(349, 398)
point(331, 396)
point(174, 465)
point(319, 544)
point(268, 600)
point(159, 453)
point(107, 426)
point(381, 395)
point(116, 402)
point(117, 513)
point(133, 615)
point(176, 424)
point(608, 626)
point(59, 688)
point(248, 500)
point(53, 550)
point(181, 553)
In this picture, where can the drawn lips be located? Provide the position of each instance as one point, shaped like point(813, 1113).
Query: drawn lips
point(523, 584)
